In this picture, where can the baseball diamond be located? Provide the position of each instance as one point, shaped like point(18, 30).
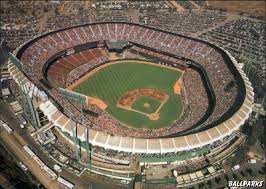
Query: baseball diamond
point(146, 104)
point(149, 87)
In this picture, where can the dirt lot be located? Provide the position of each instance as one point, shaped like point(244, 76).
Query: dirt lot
point(252, 6)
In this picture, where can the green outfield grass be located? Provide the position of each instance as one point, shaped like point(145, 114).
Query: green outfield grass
point(112, 82)
point(139, 104)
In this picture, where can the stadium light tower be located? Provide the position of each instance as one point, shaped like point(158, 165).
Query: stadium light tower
point(24, 87)
point(3, 57)
point(3, 52)
point(248, 67)
point(74, 132)
point(25, 92)
point(88, 147)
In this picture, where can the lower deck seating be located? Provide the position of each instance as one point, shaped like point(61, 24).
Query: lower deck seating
point(58, 71)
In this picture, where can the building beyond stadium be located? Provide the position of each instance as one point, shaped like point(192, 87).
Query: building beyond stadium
point(226, 111)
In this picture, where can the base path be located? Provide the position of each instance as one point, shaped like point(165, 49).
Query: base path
point(127, 100)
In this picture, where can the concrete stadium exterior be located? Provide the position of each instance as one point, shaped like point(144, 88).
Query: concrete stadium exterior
point(139, 145)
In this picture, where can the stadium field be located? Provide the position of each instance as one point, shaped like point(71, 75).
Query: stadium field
point(150, 85)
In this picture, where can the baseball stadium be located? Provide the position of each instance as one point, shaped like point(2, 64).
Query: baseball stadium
point(131, 95)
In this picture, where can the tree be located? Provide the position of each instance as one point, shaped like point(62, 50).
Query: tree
point(235, 177)
point(217, 180)
point(240, 154)
point(226, 177)
point(251, 140)
point(242, 173)
point(261, 172)
point(250, 171)
point(201, 185)
point(247, 129)
point(209, 183)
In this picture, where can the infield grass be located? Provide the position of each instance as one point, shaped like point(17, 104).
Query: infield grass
point(112, 82)
point(146, 104)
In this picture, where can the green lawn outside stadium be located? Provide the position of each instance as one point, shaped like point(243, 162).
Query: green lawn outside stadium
point(112, 82)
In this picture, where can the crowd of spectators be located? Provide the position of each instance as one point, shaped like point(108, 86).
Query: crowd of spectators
point(81, 70)
point(196, 96)
point(214, 66)
point(218, 72)
point(196, 105)
point(78, 72)
point(68, 69)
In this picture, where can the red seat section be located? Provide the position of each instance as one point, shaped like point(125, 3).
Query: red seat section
point(57, 72)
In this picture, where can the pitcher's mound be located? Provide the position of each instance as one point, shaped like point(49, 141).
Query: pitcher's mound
point(146, 105)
